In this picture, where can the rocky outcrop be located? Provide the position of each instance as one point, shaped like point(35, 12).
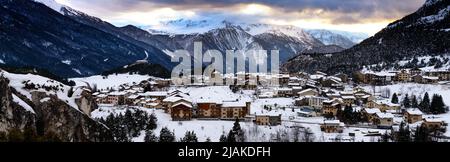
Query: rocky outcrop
point(12, 115)
point(68, 123)
point(49, 116)
point(86, 103)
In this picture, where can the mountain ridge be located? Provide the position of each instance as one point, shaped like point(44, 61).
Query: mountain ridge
point(401, 39)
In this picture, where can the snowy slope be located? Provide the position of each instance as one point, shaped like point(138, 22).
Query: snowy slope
point(52, 4)
point(17, 81)
point(111, 81)
point(22, 103)
point(185, 26)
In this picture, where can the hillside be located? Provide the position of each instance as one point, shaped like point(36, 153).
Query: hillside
point(32, 34)
point(423, 33)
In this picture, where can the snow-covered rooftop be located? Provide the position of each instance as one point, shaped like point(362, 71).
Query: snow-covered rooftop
point(372, 110)
point(414, 112)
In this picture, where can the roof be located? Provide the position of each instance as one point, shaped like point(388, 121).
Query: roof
point(385, 115)
point(430, 78)
point(182, 103)
point(116, 93)
point(387, 102)
point(372, 111)
point(328, 101)
point(155, 93)
point(348, 97)
point(433, 120)
point(381, 74)
point(133, 96)
point(306, 90)
point(208, 100)
point(102, 96)
point(333, 122)
point(335, 78)
point(233, 104)
point(315, 77)
point(270, 113)
point(346, 93)
point(414, 112)
point(152, 104)
point(283, 89)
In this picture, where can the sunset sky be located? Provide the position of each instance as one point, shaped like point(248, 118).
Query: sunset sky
point(368, 16)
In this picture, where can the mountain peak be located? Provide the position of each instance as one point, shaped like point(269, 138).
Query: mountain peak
point(52, 4)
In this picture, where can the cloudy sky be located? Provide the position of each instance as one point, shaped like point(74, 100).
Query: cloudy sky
point(368, 16)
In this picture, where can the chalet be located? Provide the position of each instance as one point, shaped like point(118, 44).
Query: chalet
point(363, 96)
point(316, 102)
point(384, 120)
point(383, 105)
point(425, 79)
point(332, 126)
point(331, 107)
point(429, 80)
point(115, 98)
point(308, 92)
point(415, 71)
point(370, 114)
point(234, 109)
point(153, 105)
point(296, 89)
point(403, 76)
point(168, 102)
point(268, 119)
point(262, 120)
point(283, 79)
point(334, 82)
point(159, 95)
point(130, 100)
point(348, 100)
point(101, 99)
point(208, 108)
point(440, 74)
point(181, 111)
point(413, 115)
point(380, 78)
point(284, 92)
point(433, 124)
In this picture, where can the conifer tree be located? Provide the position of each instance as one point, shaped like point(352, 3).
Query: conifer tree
point(150, 136)
point(437, 105)
point(414, 102)
point(425, 104)
point(189, 137)
point(166, 135)
point(394, 98)
point(406, 102)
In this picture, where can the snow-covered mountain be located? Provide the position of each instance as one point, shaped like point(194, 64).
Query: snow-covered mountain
point(218, 35)
point(424, 33)
point(66, 42)
point(330, 38)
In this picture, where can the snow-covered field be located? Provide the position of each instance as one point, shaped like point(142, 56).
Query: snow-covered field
point(112, 81)
point(17, 82)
